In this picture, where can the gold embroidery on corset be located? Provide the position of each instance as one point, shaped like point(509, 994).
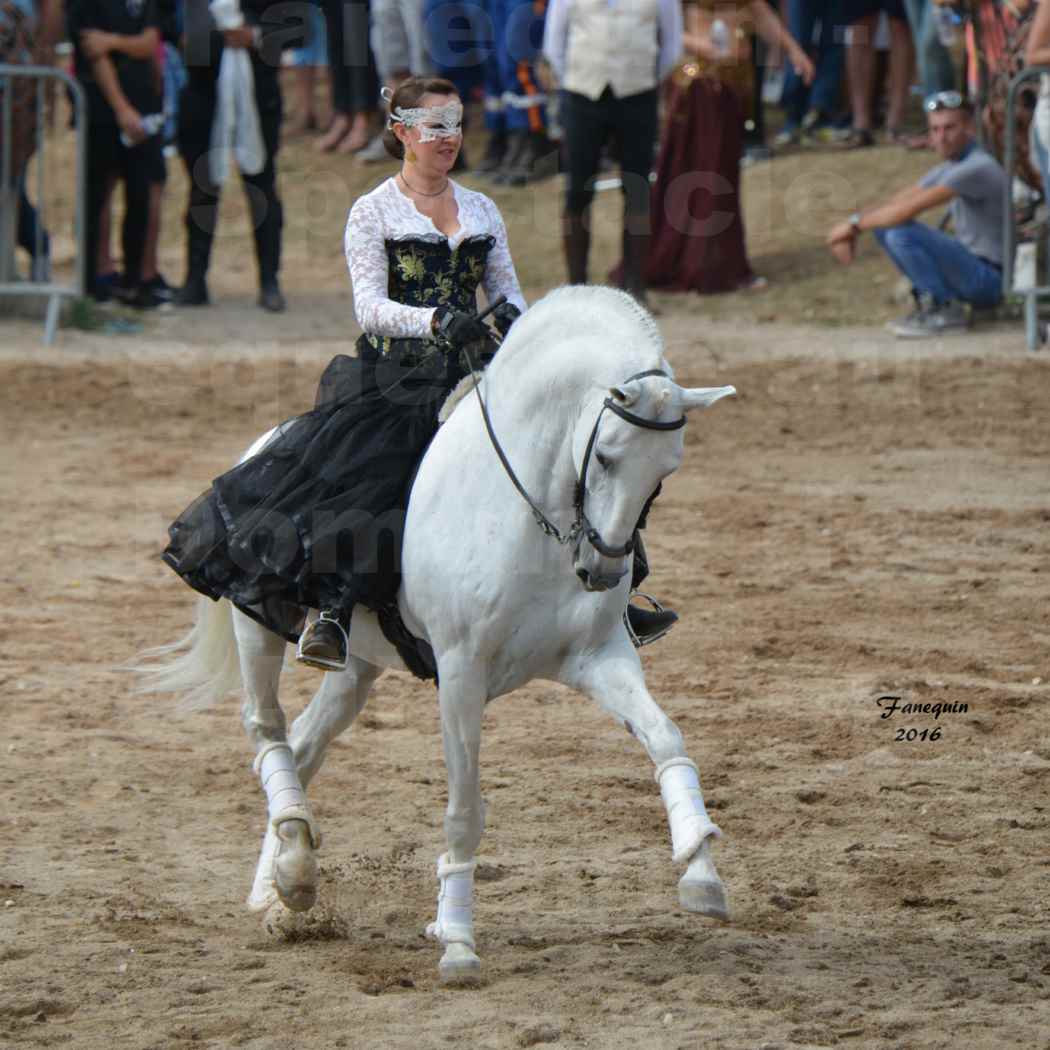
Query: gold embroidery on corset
point(410, 266)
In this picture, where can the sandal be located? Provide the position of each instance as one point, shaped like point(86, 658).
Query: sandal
point(301, 125)
point(357, 138)
point(908, 139)
point(859, 138)
point(338, 131)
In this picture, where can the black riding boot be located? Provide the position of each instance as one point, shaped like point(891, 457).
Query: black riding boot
point(635, 256)
point(325, 642)
point(645, 625)
point(268, 255)
point(576, 240)
point(194, 291)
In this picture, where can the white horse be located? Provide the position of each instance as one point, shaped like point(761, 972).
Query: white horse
point(580, 398)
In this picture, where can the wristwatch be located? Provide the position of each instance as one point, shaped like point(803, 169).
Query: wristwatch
point(854, 221)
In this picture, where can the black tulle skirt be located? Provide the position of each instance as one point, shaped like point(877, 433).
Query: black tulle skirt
point(316, 518)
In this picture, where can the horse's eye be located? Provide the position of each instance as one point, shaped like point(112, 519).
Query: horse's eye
point(603, 461)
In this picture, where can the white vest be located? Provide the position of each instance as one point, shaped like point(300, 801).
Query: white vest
point(612, 44)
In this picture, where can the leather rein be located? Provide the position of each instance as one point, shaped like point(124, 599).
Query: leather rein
point(581, 526)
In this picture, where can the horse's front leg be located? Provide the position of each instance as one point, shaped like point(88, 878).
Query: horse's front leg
point(287, 864)
point(462, 703)
point(339, 700)
point(615, 680)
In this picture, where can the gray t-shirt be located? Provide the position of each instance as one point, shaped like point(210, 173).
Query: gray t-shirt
point(979, 184)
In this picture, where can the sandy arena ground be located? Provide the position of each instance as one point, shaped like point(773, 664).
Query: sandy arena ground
point(866, 518)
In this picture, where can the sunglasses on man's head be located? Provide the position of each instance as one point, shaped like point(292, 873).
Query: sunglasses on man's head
point(944, 100)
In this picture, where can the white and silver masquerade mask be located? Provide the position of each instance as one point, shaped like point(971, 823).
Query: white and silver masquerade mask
point(434, 122)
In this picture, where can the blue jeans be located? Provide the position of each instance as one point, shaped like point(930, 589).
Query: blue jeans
point(459, 36)
point(29, 228)
point(174, 82)
point(514, 101)
point(936, 70)
point(827, 55)
point(939, 266)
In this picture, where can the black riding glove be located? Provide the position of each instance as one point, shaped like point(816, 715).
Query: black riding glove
point(458, 329)
point(504, 316)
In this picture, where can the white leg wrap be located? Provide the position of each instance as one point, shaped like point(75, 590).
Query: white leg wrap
point(285, 797)
point(679, 782)
point(264, 893)
point(455, 916)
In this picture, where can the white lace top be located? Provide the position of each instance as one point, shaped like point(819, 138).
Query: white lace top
point(388, 214)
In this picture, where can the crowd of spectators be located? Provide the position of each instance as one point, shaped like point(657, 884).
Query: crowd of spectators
point(567, 85)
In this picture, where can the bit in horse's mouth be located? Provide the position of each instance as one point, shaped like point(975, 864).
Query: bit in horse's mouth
point(600, 583)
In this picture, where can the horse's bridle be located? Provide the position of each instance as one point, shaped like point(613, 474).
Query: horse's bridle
point(581, 526)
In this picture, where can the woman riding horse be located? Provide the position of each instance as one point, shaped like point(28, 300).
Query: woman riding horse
point(314, 519)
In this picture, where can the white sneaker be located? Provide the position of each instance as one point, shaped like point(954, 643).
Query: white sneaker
point(932, 320)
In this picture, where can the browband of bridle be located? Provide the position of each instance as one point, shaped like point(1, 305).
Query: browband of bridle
point(641, 421)
point(581, 526)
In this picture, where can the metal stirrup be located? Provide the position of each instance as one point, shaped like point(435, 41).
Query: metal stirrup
point(637, 641)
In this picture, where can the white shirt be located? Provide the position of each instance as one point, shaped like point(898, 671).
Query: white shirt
point(388, 214)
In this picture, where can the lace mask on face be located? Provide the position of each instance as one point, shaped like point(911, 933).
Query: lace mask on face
point(434, 122)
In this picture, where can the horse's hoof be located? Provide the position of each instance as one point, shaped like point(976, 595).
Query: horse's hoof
point(704, 896)
point(295, 868)
point(459, 965)
point(298, 898)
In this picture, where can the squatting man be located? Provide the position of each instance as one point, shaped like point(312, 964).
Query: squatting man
point(948, 273)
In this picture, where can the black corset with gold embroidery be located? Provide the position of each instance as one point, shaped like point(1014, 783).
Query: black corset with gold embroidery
point(432, 273)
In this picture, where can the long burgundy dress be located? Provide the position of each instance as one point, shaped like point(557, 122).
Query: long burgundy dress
point(697, 227)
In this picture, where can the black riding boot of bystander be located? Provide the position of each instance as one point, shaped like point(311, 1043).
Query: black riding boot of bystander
point(576, 241)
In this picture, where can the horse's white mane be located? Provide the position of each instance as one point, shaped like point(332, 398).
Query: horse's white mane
point(620, 336)
point(601, 331)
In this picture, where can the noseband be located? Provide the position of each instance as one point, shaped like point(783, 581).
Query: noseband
point(581, 526)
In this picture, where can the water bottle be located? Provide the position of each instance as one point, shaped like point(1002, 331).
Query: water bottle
point(152, 124)
point(946, 21)
point(720, 38)
point(1025, 263)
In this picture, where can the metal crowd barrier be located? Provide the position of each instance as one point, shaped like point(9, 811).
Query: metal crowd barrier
point(9, 194)
point(1031, 294)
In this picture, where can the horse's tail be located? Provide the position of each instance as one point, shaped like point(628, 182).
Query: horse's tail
point(203, 666)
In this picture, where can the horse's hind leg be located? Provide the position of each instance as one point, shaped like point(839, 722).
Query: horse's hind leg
point(292, 835)
point(462, 702)
point(338, 701)
point(618, 685)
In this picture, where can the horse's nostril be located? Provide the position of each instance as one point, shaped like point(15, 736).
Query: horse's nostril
point(584, 576)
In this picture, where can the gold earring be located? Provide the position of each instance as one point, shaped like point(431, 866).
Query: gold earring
point(410, 156)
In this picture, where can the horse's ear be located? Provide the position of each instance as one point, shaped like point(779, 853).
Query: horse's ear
point(704, 396)
point(624, 395)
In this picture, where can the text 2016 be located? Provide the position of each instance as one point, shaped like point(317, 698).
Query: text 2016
point(918, 734)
